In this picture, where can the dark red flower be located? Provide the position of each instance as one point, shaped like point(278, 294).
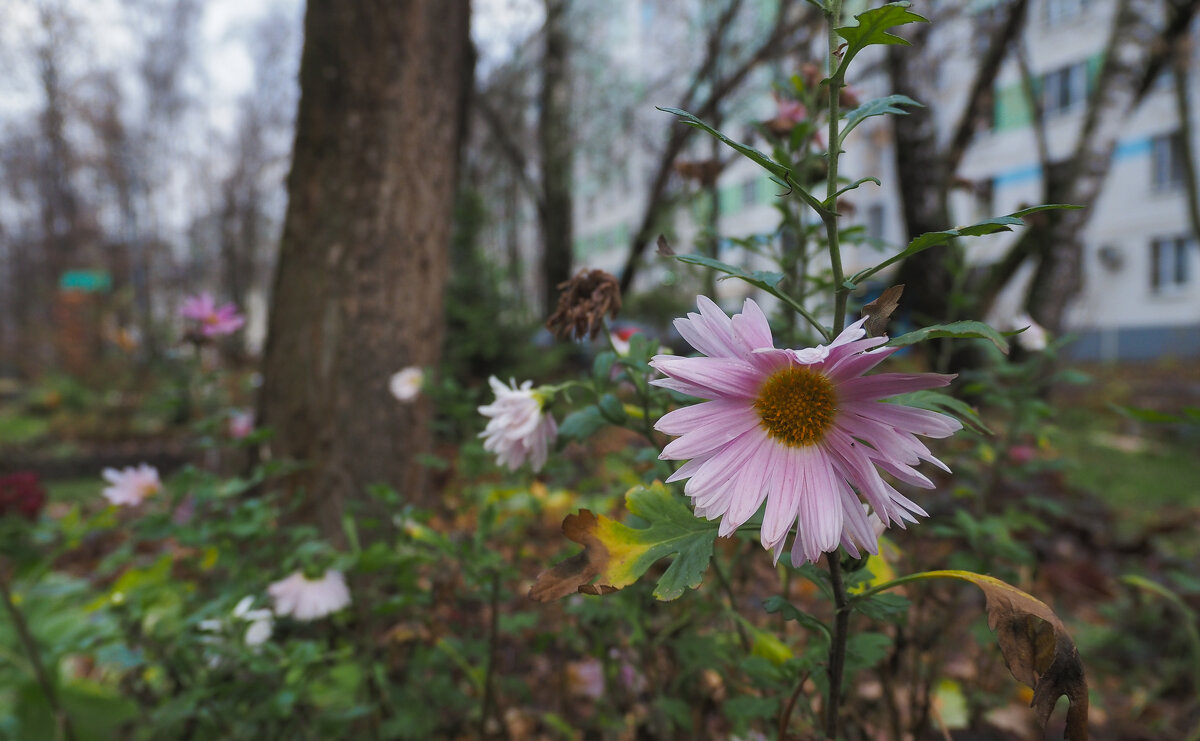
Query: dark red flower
point(21, 493)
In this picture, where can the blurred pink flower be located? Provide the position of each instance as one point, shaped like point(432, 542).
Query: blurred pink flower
point(801, 429)
point(309, 599)
point(586, 678)
point(790, 111)
point(241, 424)
point(131, 485)
point(1021, 454)
point(214, 320)
point(517, 428)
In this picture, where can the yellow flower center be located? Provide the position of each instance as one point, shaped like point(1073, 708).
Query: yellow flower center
point(797, 405)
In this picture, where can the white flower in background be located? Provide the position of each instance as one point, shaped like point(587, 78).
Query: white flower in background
point(406, 385)
point(517, 428)
point(131, 485)
point(309, 599)
point(1033, 339)
point(262, 622)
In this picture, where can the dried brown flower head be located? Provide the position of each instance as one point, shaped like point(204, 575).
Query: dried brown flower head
point(582, 304)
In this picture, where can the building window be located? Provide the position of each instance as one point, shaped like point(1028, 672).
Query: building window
point(1064, 89)
point(1166, 160)
point(749, 193)
point(1169, 268)
point(1060, 11)
point(875, 221)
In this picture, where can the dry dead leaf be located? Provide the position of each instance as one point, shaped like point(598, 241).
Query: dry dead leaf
point(880, 310)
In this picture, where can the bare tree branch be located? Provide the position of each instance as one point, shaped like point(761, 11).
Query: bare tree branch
point(680, 134)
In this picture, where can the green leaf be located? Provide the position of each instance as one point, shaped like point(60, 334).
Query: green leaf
point(762, 279)
point(933, 239)
point(612, 409)
point(602, 366)
point(582, 424)
point(829, 201)
point(770, 165)
point(936, 401)
point(616, 555)
point(873, 28)
point(877, 107)
point(960, 330)
point(883, 606)
point(775, 168)
point(790, 612)
point(1147, 415)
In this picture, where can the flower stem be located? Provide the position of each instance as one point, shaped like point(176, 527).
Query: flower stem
point(35, 659)
point(837, 73)
point(837, 646)
point(841, 621)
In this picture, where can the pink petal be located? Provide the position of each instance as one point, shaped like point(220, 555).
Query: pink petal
point(717, 376)
point(883, 385)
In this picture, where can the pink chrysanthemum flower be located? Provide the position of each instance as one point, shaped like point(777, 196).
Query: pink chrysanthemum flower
point(517, 427)
point(131, 485)
point(802, 430)
point(309, 599)
point(214, 320)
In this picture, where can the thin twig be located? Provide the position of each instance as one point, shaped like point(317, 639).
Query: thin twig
point(786, 716)
point(725, 587)
point(493, 640)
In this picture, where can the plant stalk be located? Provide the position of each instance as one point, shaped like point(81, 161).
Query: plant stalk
point(837, 646)
point(35, 660)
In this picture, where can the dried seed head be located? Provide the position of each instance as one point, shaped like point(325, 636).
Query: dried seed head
point(582, 303)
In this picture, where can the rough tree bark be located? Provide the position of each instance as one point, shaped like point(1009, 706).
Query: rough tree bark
point(554, 134)
point(359, 284)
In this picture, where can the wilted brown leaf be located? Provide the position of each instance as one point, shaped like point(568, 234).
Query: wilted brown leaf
point(1037, 649)
point(880, 310)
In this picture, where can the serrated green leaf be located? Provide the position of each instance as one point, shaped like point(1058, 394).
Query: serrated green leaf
point(873, 28)
point(959, 330)
point(616, 555)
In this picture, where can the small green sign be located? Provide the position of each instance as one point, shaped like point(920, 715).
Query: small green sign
point(88, 281)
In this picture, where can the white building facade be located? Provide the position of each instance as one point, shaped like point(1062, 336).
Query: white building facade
point(1141, 292)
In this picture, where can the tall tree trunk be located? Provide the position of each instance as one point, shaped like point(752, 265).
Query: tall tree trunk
point(554, 133)
point(363, 260)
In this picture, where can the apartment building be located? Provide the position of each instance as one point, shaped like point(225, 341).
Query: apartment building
point(1141, 293)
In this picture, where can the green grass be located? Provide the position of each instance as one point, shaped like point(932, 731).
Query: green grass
point(17, 429)
point(1143, 486)
point(74, 490)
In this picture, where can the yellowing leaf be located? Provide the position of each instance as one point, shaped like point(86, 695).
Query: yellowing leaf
point(616, 555)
